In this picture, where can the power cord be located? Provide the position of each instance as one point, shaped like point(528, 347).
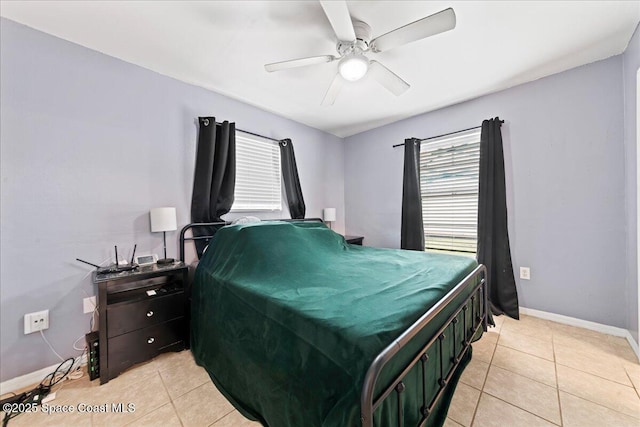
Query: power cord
point(15, 405)
point(94, 314)
point(76, 342)
point(18, 403)
point(50, 346)
point(77, 373)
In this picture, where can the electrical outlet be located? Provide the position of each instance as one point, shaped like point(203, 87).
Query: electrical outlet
point(525, 273)
point(36, 321)
point(89, 304)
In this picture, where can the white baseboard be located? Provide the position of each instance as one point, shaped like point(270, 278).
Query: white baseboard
point(572, 321)
point(31, 378)
point(633, 344)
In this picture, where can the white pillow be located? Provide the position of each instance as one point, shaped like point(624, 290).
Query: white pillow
point(245, 220)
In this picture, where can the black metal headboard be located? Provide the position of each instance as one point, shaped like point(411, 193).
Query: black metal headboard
point(220, 224)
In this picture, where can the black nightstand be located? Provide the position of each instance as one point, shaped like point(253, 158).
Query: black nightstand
point(142, 313)
point(354, 240)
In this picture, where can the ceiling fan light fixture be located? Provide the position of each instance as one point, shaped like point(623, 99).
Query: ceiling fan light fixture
point(353, 67)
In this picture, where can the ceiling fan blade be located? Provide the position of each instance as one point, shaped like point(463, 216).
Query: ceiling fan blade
point(333, 91)
point(302, 62)
point(387, 78)
point(340, 19)
point(440, 22)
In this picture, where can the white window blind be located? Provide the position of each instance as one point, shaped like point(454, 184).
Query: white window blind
point(449, 167)
point(258, 177)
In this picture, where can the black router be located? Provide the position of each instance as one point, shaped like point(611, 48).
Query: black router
point(114, 268)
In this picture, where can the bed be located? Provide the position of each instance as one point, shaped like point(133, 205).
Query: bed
point(297, 328)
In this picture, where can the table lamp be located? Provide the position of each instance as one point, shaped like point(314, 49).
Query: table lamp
point(163, 219)
point(329, 215)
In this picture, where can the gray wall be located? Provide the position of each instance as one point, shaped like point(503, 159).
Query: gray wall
point(631, 63)
point(564, 157)
point(88, 145)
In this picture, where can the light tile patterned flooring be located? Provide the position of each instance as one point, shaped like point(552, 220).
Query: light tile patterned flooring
point(534, 372)
point(530, 372)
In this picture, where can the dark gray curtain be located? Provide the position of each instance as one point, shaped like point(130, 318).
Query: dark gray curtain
point(215, 174)
point(292, 188)
point(412, 229)
point(493, 237)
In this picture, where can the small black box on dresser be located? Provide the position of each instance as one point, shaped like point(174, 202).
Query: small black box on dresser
point(142, 313)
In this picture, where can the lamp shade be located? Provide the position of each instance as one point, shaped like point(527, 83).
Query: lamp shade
point(163, 219)
point(329, 214)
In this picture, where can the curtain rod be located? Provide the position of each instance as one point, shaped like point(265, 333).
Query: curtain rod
point(258, 135)
point(206, 123)
point(444, 134)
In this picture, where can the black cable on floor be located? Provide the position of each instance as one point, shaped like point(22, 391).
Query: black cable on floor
point(18, 404)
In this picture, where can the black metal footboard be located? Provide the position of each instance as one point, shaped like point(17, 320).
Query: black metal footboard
point(369, 403)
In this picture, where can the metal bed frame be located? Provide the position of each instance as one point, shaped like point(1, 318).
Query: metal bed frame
point(368, 402)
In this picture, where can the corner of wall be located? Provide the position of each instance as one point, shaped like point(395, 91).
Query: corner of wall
point(631, 130)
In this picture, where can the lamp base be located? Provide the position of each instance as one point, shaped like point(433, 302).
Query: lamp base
point(165, 261)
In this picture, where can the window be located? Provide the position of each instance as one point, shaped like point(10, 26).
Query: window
point(258, 177)
point(449, 167)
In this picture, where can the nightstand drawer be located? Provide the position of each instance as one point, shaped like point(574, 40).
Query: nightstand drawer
point(127, 317)
point(137, 346)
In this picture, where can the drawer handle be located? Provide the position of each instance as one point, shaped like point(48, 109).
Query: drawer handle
point(151, 340)
point(149, 313)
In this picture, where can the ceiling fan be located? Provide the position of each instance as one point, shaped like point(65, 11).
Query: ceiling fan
point(354, 40)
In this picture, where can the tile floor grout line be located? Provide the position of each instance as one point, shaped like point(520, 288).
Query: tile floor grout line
point(520, 375)
point(601, 405)
point(599, 376)
point(588, 373)
point(491, 364)
point(183, 393)
point(520, 408)
point(634, 384)
point(524, 352)
point(475, 410)
point(221, 418)
point(171, 399)
point(144, 414)
point(515, 373)
point(596, 354)
point(485, 378)
point(602, 351)
point(555, 371)
point(536, 338)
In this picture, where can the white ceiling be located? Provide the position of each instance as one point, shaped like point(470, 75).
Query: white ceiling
point(223, 45)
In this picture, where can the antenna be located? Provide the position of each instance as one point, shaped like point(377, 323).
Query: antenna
point(117, 268)
point(87, 262)
point(134, 254)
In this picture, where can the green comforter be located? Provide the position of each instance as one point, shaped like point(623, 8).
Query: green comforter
point(287, 318)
